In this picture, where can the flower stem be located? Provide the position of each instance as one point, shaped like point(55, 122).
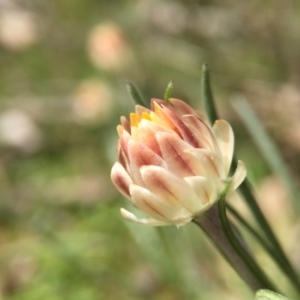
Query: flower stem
point(211, 225)
point(250, 200)
point(240, 249)
point(261, 220)
point(269, 249)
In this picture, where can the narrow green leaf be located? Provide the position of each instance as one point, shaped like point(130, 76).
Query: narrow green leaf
point(266, 146)
point(168, 92)
point(135, 95)
point(246, 190)
point(275, 161)
point(207, 96)
point(240, 250)
point(269, 295)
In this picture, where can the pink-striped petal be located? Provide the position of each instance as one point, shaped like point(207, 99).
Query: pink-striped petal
point(147, 130)
point(203, 133)
point(173, 191)
point(181, 127)
point(154, 206)
point(141, 109)
point(155, 101)
point(225, 139)
point(121, 179)
point(178, 161)
point(205, 190)
point(125, 123)
point(212, 164)
point(140, 155)
point(182, 108)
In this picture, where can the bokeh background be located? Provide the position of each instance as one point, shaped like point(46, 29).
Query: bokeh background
point(63, 64)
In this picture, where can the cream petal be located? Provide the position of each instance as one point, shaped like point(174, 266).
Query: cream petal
point(155, 127)
point(147, 138)
point(121, 179)
point(181, 107)
point(182, 221)
point(212, 164)
point(140, 155)
point(225, 139)
point(173, 190)
point(125, 123)
point(159, 102)
point(152, 205)
point(239, 175)
point(206, 192)
point(139, 110)
point(203, 133)
point(150, 221)
point(173, 149)
point(147, 130)
point(184, 129)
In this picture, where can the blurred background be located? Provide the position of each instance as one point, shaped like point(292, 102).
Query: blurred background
point(63, 64)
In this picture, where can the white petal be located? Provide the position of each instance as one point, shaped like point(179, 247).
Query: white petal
point(140, 155)
point(172, 148)
point(121, 179)
point(225, 139)
point(207, 193)
point(139, 110)
point(151, 222)
point(173, 191)
point(154, 206)
point(212, 164)
point(239, 175)
point(203, 132)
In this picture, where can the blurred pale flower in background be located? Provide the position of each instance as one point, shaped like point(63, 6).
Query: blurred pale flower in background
point(107, 47)
point(18, 129)
point(21, 270)
point(86, 189)
point(18, 29)
point(171, 164)
point(92, 101)
point(171, 17)
point(276, 204)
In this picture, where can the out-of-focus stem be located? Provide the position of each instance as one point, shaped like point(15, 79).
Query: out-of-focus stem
point(245, 189)
point(260, 218)
point(276, 257)
point(211, 225)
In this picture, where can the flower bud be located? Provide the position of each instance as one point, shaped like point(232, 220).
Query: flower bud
point(171, 164)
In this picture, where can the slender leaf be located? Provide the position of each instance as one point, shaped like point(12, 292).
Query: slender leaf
point(207, 96)
point(135, 95)
point(168, 92)
point(266, 146)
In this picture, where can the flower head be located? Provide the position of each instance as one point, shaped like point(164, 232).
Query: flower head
point(171, 164)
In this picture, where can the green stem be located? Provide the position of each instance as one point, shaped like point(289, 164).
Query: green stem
point(245, 255)
point(260, 239)
point(269, 249)
point(245, 189)
point(211, 225)
point(261, 220)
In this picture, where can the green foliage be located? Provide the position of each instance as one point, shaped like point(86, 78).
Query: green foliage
point(62, 236)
